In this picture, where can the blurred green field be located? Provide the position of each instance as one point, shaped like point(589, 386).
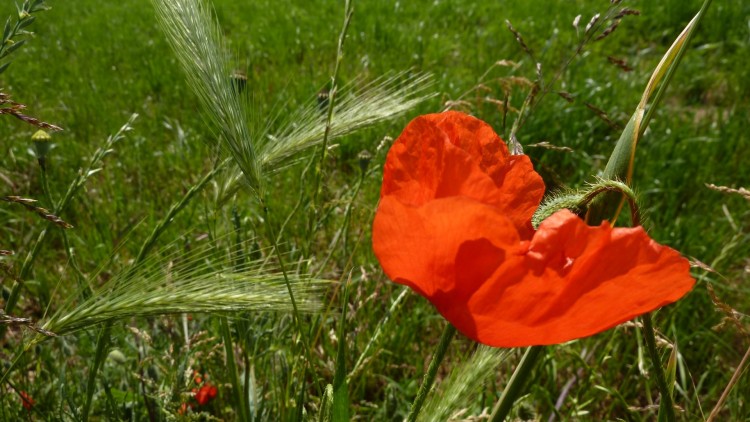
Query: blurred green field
point(92, 64)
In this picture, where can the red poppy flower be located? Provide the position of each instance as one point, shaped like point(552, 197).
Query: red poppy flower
point(454, 224)
point(205, 394)
point(26, 400)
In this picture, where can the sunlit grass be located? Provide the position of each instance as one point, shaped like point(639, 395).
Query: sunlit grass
point(92, 64)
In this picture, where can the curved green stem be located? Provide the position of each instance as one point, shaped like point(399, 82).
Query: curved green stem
point(516, 383)
point(237, 390)
point(348, 12)
point(102, 344)
point(295, 312)
point(661, 380)
point(376, 336)
point(429, 376)
point(344, 227)
point(174, 210)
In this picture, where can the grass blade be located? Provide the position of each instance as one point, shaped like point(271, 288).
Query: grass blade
point(621, 162)
point(340, 388)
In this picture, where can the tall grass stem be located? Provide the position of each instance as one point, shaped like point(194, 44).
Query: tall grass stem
point(62, 205)
point(348, 12)
point(102, 343)
point(297, 320)
point(429, 377)
point(516, 383)
point(661, 380)
point(226, 335)
point(732, 382)
point(376, 336)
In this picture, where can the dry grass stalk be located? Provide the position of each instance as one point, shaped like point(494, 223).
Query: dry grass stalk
point(520, 40)
point(12, 321)
point(724, 189)
point(567, 96)
point(627, 12)
point(603, 115)
point(610, 29)
point(592, 22)
point(621, 63)
point(7, 106)
point(731, 317)
point(547, 145)
point(46, 214)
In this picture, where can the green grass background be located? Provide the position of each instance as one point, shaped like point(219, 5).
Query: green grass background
point(91, 64)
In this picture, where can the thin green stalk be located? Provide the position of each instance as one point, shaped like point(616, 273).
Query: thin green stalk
point(83, 285)
point(174, 210)
point(378, 331)
point(237, 389)
point(344, 227)
point(348, 12)
point(102, 342)
point(661, 380)
point(340, 386)
point(17, 357)
point(650, 337)
point(295, 312)
point(516, 384)
point(301, 395)
point(247, 381)
point(241, 324)
point(80, 278)
point(429, 376)
point(77, 183)
point(300, 200)
point(48, 198)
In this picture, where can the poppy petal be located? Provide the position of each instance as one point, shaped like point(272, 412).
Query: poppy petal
point(576, 281)
point(205, 394)
point(436, 157)
point(513, 174)
point(444, 248)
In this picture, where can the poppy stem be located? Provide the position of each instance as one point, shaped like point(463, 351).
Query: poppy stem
point(429, 376)
point(666, 397)
point(516, 383)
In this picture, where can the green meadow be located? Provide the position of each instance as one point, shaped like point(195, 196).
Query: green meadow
point(115, 317)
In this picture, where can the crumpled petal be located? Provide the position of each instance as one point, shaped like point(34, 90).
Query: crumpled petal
point(574, 281)
point(437, 156)
point(570, 281)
